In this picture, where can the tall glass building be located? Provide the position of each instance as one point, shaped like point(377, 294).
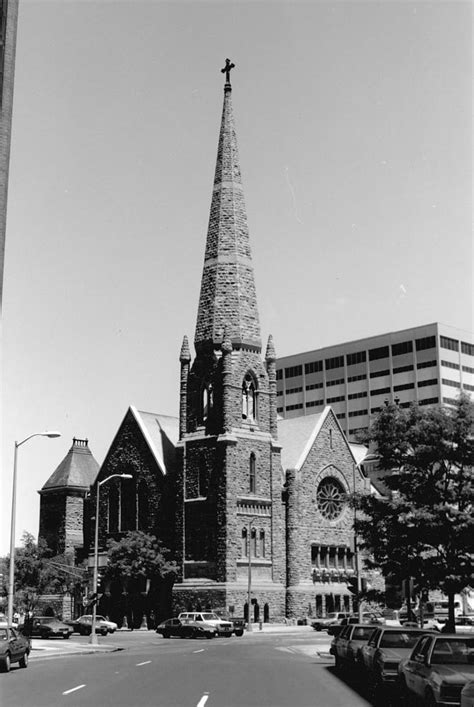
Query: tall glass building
point(429, 364)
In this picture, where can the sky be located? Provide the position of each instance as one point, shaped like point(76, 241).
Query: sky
point(354, 128)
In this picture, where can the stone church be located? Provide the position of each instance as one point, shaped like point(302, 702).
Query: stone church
point(229, 487)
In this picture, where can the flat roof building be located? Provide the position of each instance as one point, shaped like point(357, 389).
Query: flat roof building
point(429, 364)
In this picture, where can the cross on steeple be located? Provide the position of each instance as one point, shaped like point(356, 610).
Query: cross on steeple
point(227, 69)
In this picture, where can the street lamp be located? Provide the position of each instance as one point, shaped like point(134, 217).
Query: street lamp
point(93, 638)
point(249, 590)
point(11, 580)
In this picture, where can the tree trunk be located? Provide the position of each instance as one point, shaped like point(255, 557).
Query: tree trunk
point(451, 625)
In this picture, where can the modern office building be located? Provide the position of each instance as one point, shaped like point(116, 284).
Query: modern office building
point(429, 364)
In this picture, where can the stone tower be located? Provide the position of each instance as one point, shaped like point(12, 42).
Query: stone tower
point(62, 501)
point(229, 484)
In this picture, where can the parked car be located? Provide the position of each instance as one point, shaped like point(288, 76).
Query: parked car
point(380, 656)
point(347, 643)
point(111, 625)
point(331, 618)
point(239, 623)
point(14, 648)
point(186, 628)
point(47, 627)
point(83, 625)
point(467, 694)
point(464, 624)
point(437, 669)
point(368, 617)
point(223, 627)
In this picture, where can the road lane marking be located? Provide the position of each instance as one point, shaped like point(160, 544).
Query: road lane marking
point(201, 650)
point(145, 662)
point(73, 689)
point(203, 700)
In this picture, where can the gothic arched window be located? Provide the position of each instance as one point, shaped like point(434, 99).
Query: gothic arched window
point(261, 539)
point(142, 506)
point(113, 509)
point(206, 401)
point(244, 543)
point(253, 474)
point(128, 504)
point(249, 398)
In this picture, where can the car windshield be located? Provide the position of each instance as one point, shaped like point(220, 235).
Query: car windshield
point(47, 620)
point(362, 633)
point(453, 650)
point(392, 639)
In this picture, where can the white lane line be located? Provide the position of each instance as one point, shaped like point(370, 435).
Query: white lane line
point(145, 662)
point(201, 650)
point(73, 689)
point(203, 700)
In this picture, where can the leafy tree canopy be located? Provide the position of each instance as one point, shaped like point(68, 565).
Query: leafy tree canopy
point(424, 528)
point(139, 555)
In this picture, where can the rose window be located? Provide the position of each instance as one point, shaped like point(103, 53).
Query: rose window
point(330, 498)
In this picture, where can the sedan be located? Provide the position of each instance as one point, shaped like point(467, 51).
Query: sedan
point(48, 627)
point(437, 669)
point(83, 625)
point(346, 645)
point(111, 625)
point(382, 654)
point(186, 628)
point(14, 648)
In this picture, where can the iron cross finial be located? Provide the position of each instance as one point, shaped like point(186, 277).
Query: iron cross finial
point(227, 69)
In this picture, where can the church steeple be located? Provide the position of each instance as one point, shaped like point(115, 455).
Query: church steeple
point(228, 298)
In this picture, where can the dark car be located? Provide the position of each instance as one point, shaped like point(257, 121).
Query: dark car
point(83, 625)
point(381, 655)
point(367, 618)
point(48, 627)
point(437, 669)
point(347, 643)
point(14, 648)
point(186, 628)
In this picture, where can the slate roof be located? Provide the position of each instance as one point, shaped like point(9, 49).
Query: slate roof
point(297, 435)
point(78, 469)
point(161, 433)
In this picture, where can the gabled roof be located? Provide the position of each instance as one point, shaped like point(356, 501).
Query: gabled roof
point(297, 435)
point(78, 469)
point(161, 433)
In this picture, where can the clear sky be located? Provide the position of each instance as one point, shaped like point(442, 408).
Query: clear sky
point(354, 128)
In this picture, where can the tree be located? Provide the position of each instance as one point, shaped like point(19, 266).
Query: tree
point(37, 572)
point(139, 555)
point(424, 528)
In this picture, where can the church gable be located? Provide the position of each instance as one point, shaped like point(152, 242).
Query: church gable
point(145, 501)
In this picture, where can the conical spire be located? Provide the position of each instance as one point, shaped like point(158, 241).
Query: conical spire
point(228, 299)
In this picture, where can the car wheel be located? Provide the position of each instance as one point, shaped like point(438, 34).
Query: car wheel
point(166, 634)
point(239, 633)
point(66, 635)
point(338, 664)
point(5, 664)
point(405, 696)
point(24, 661)
point(210, 634)
point(104, 632)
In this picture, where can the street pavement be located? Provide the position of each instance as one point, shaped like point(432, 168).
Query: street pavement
point(49, 648)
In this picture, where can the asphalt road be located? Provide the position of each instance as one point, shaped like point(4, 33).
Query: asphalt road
point(149, 671)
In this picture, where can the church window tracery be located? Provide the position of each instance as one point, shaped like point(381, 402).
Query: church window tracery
point(249, 398)
point(207, 401)
point(330, 498)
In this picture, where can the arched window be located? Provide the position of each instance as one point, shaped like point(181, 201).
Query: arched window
point(206, 401)
point(261, 542)
point(128, 504)
point(253, 542)
point(253, 474)
point(142, 506)
point(113, 509)
point(244, 543)
point(249, 398)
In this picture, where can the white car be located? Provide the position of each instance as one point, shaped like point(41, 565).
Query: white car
point(223, 627)
point(110, 625)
